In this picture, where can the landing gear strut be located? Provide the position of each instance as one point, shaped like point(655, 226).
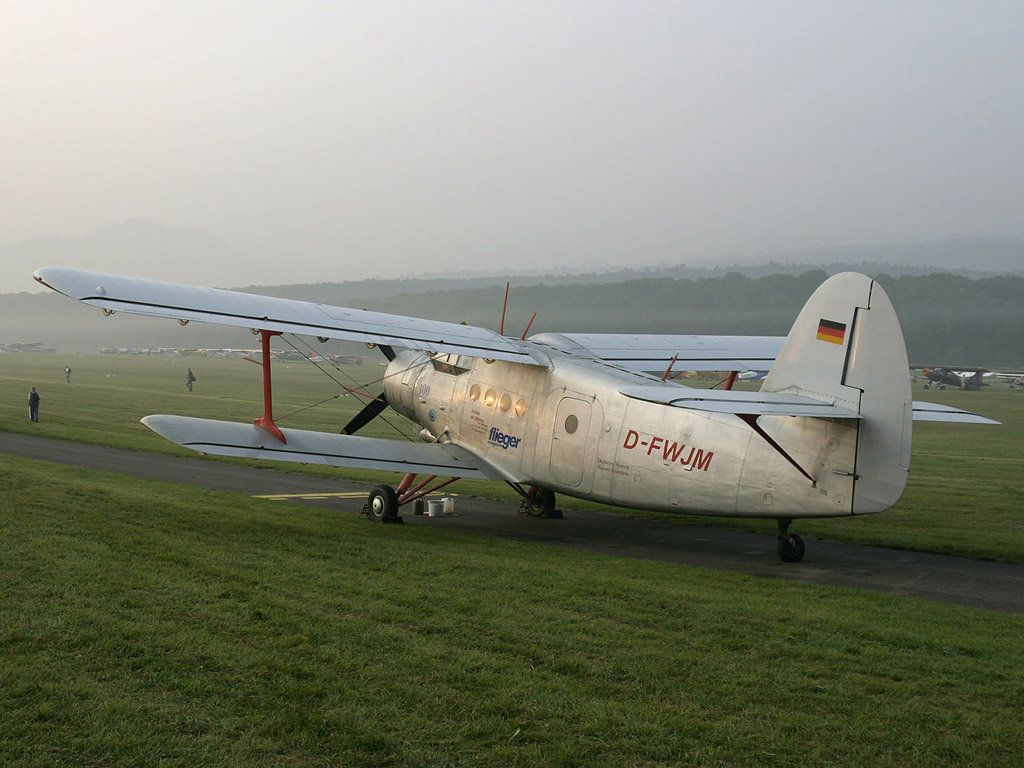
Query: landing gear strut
point(791, 547)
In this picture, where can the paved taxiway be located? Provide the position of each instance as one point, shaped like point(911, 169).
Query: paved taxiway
point(957, 580)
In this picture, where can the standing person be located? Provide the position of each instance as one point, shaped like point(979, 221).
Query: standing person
point(33, 405)
point(189, 378)
point(67, 373)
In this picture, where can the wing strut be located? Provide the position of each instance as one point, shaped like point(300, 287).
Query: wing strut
point(668, 371)
point(504, 307)
point(266, 421)
point(406, 493)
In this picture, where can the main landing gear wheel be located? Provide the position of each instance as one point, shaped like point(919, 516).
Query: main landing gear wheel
point(541, 503)
point(382, 504)
point(791, 547)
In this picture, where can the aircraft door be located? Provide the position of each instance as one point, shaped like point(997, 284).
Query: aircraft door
point(569, 441)
point(434, 391)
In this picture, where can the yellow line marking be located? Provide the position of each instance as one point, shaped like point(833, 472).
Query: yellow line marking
point(313, 496)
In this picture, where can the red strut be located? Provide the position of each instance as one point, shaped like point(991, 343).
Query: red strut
point(668, 371)
point(504, 307)
point(266, 421)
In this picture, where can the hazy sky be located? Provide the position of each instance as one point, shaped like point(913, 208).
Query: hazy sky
point(339, 140)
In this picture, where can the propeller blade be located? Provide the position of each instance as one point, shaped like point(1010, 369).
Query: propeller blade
point(370, 411)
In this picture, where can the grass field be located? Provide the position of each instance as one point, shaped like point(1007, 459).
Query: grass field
point(965, 495)
point(152, 624)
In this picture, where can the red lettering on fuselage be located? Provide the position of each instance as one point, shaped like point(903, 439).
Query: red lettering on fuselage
point(671, 451)
point(702, 460)
point(632, 438)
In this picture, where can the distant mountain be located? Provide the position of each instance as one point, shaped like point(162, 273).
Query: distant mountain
point(138, 247)
point(967, 257)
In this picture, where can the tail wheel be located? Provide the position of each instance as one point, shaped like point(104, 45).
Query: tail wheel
point(382, 503)
point(791, 548)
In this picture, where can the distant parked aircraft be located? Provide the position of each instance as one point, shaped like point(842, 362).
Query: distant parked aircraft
point(964, 378)
point(27, 346)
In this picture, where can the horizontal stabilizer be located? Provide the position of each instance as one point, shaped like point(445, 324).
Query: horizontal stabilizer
point(746, 403)
point(247, 441)
point(781, 404)
point(936, 412)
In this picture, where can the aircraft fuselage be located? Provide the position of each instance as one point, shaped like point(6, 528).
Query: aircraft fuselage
point(568, 428)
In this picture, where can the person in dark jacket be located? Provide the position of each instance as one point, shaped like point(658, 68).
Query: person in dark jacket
point(33, 405)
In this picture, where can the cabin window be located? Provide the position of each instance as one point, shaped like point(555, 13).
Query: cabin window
point(505, 402)
point(571, 424)
point(520, 408)
point(474, 392)
point(448, 363)
point(490, 397)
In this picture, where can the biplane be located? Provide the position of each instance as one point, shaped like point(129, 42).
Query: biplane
point(587, 415)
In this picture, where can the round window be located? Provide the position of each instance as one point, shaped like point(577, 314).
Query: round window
point(572, 424)
point(474, 392)
point(520, 408)
point(489, 398)
point(505, 402)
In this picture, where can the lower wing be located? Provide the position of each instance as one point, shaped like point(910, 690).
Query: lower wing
point(227, 438)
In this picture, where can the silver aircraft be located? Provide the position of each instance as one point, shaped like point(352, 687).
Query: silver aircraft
point(828, 434)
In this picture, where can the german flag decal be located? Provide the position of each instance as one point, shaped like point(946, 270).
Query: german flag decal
point(831, 331)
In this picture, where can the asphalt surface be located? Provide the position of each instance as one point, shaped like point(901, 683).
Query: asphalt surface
point(940, 578)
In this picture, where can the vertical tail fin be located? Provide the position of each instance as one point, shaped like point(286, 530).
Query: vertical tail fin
point(846, 347)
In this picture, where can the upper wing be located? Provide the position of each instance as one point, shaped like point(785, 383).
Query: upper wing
point(655, 352)
point(227, 438)
point(638, 352)
point(213, 305)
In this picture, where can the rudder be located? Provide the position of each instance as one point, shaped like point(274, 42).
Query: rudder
point(846, 347)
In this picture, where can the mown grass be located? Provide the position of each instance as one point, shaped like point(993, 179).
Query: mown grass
point(144, 623)
point(965, 494)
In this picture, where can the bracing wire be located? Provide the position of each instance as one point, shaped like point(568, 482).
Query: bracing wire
point(358, 393)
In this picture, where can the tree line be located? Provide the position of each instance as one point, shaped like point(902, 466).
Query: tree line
point(947, 319)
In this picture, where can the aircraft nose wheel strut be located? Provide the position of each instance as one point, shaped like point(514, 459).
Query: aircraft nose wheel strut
point(791, 547)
